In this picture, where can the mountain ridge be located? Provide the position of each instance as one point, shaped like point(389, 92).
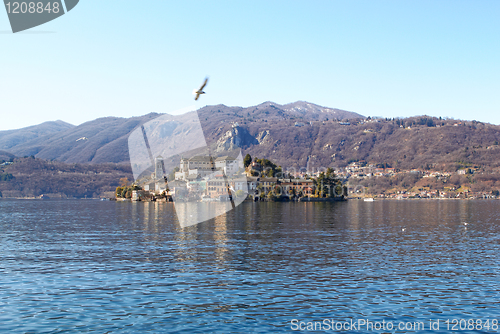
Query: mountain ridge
point(12, 138)
point(105, 139)
point(293, 135)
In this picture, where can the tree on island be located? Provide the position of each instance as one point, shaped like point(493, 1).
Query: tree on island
point(247, 160)
point(327, 184)
point(269, 168)
point(126, 192)
point(260, 192)
point(271, 195)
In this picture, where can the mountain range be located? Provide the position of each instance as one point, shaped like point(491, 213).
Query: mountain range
point(12, 138)
point(99, 141)
point(105, 139)
point(292, 135)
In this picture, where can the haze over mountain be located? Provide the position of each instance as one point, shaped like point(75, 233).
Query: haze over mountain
point(99, 141)
point(292, 135)
point(12, 138)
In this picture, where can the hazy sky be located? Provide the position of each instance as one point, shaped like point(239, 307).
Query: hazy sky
point(378, 58)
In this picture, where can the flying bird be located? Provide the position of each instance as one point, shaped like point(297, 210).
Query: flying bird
point(200, 91)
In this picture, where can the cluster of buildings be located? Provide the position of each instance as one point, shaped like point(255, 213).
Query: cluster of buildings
point(197, 177)
point(200, 167)
point(358, 171)
point(436, 194)
point(216, 179)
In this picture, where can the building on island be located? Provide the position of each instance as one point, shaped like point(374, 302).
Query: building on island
point(199, 167)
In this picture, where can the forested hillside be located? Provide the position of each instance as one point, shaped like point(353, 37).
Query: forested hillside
point(32, 177)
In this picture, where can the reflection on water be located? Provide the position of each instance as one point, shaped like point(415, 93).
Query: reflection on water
point(191, 213)
point(106, 266)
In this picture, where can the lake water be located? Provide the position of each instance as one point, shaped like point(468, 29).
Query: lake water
point(92, 266)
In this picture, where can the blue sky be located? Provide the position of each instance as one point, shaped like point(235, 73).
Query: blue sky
point(377, 58)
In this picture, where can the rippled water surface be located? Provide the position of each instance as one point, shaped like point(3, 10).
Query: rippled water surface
point(92, 266)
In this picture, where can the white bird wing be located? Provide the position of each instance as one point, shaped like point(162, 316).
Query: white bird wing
point(204, 84)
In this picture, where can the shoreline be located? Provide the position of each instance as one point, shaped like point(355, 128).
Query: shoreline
point(311, 200)
point(426, 199)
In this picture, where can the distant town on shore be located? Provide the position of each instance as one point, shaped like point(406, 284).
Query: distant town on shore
point(31, 177)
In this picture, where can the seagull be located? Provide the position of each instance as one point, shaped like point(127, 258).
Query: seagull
point(200, 91)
